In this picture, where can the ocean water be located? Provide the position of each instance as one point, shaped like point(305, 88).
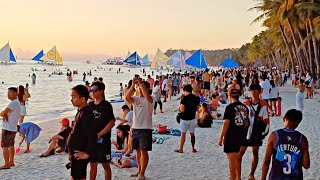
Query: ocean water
point(50, 96)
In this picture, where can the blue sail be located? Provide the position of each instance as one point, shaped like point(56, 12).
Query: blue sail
point(38, 56)
point(229, 63)
point(176, 60)
point(197, 60)
point(12, 58)
point(145, 61)
point(138, 60)
point(133, 59)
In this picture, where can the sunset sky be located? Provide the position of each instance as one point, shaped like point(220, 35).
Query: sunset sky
point(112, 27)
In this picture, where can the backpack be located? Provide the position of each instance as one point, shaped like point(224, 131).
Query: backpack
point(262, 128)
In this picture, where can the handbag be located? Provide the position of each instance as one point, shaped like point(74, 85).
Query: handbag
point(162, 129)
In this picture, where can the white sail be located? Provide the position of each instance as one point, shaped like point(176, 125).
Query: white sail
point(6, 54)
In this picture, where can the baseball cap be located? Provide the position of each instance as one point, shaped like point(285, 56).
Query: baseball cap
point(65, 122)
point(235, 93)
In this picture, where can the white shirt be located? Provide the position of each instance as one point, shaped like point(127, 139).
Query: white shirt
point(155, 92)
point(274, 92)
point(265, 85)
point(128, 118)
point(165, 85)
point(13, 117)
point(142, 113)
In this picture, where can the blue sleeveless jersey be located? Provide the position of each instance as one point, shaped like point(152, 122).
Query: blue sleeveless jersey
point(287, 156)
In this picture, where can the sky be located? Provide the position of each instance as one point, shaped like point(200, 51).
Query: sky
point(101, 28)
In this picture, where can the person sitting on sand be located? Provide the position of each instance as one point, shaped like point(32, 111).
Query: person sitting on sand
point(29, 132)
point(121, 145)
point(214, 103)
point(205, 117)
point(58, 143)
point(128, 114)
point(125, 162)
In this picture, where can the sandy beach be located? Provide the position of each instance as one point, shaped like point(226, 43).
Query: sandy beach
point(208, 163)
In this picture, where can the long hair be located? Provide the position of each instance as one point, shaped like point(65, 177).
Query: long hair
point(121, 140)
point(20, 93)
point(272, 83)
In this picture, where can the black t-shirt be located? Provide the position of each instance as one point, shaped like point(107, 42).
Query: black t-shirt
point(103, 114)
point(238, 114)
point(191, 103)
point(65, 133)
point(83, 136)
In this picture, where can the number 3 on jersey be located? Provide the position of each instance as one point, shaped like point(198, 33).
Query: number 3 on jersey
point(288, 169)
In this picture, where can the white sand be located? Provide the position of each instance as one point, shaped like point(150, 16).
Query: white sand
point(209, 163)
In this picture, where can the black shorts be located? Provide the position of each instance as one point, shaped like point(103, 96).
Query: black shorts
point(273, 99)
point(250, 143)
point(231, 145)
point(206, 85)
point(78, 168)
point(142, 139)
point(7, 138)
point(102, 153)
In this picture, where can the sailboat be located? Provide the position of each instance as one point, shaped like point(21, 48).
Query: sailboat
point(52, 57)
point(133, 60)
point(197, 60)
point(6, 55)
point(160, 60)
point(40, 57)
point(176, 61)
point(145, 61)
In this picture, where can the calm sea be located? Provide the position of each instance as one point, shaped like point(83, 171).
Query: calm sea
point(50, 96)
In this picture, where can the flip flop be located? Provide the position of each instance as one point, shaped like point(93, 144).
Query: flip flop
point(178, 151)
point(3, 168)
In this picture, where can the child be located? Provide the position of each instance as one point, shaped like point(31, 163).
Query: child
point(288, 148)
point(29, 132)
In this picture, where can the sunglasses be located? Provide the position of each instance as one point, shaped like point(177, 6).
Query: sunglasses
point(93, 90)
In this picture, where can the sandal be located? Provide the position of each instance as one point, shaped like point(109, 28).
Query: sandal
point(178, 151)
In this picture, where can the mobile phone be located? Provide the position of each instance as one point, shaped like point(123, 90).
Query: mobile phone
point(100, 140)
point(136, 75)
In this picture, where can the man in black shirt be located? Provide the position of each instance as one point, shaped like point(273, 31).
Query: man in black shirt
point(188, 107)
point(105, 119)
point(233, 132)
point(83, 137)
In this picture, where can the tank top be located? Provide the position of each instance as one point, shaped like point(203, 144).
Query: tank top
point(287, 156)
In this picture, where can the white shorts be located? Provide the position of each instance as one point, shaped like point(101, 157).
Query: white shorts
point(186, 125)
point(23, 110)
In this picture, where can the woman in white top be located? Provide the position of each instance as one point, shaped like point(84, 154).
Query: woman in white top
point(273, 97)
point(300, 95)
point(156, 93)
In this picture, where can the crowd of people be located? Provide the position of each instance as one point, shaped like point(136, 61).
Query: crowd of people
point(87, 139)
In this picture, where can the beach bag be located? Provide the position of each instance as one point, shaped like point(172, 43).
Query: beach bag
point(162, 129)
point(262, 128)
